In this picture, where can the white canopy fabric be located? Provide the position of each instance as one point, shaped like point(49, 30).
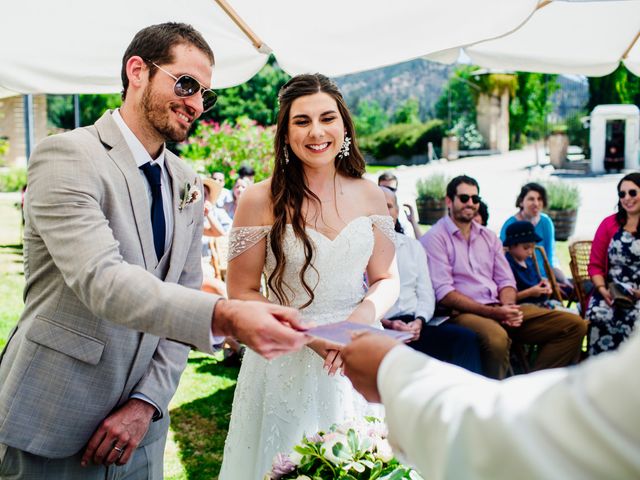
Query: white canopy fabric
point(76, 46)
point(573, 37)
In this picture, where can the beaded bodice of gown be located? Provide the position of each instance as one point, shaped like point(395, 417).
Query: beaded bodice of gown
point(277, 401)
point(338, 264)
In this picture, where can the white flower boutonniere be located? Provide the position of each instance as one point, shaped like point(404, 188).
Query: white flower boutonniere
point(191, 194)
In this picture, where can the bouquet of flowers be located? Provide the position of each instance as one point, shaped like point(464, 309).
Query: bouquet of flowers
point(349, 451)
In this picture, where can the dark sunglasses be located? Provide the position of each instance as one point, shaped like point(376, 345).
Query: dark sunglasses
point(464, 198)
point(632, 193)
point(187, 86)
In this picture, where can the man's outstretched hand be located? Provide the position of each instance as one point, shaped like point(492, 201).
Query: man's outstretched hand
point(362, 359)
point(268, 329)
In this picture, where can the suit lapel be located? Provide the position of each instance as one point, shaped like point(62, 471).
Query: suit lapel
point(121, 155)
point(181, 219)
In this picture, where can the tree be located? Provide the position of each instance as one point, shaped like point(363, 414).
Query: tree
point(620, 86)
point(256, 99)
point(407, 112)
point(370, 117)
point(530, 106)
point(60, 112)
point(457, 102)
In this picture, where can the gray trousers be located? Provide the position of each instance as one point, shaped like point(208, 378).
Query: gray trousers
point(145, 464)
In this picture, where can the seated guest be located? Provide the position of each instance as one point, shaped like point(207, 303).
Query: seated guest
point(211, 229)
point(239, 187)
point(246, 172)
point(521, 240)
point(472, 278)
point(615, 263)
point(416, 303)
point(406, 216)
point(531, 200)
point(482, 217)
point(225, 195)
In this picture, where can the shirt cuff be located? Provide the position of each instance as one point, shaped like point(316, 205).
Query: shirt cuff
point(141, 396)
point(386, 363)
point(215, 341)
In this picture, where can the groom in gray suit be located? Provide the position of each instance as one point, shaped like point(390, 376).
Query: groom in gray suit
point(112, 266)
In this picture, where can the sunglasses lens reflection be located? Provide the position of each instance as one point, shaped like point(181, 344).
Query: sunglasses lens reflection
point(187, 86)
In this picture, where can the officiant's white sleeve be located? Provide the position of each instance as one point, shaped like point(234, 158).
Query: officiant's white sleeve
point(572, 423)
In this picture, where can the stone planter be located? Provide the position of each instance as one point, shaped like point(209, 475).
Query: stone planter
point(558, 144)
point(430, 210)
point(450, 147)
point(564, 222)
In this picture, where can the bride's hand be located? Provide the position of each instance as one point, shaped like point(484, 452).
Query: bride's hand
point(329, 352)
point(333, 362)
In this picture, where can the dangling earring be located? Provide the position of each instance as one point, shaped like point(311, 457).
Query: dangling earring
point(286, 155)
point(344, 150)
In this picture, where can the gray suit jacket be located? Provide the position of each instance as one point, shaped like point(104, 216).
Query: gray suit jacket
point(93, 285)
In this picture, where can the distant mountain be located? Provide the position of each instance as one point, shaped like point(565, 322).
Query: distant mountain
point(425, 80)
point(391, 86)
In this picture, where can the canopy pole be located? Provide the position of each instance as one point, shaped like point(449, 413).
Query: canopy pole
point(29, 136)
point(242, 25)
point(76, 111)
point(635, 40)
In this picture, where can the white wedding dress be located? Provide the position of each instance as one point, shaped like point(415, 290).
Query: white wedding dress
point(278, 401)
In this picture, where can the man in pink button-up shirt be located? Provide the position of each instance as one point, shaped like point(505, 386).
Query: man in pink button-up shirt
point(473, 280)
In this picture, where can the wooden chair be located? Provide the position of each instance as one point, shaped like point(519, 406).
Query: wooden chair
point(579, 252)
point(524, 354)
point(548, 270)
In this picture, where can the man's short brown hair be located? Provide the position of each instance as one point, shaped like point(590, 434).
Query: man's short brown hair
point(155, 43)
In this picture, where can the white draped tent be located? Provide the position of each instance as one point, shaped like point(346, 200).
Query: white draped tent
point(583, 37)
point(76, 46)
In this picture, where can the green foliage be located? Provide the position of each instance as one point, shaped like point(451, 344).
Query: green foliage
point(620, 86)
point(404, 139)
point(4, 147)
point(370, 118)
point(432, 187)
point(562, 196)
point(60, 108)
point(468, 135)
point(13, 179)
point(408, 112)
point(256, 99)
point(225, 148)
point(463, 98)
point(530, 106)
point(576, 131)
point(357, 451)
point(496, 83)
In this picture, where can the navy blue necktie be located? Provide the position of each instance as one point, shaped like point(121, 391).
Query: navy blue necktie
point(154, 177)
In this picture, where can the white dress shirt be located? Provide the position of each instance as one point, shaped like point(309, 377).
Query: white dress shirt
point(416, 297)
point(579, 422)
point(141, 156)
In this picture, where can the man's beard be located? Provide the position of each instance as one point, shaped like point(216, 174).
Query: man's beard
point(158, 118)
point(461, 217)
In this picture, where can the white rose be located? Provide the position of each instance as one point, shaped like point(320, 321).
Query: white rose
point(302, 477)
point(295, 457)
point(383, 450)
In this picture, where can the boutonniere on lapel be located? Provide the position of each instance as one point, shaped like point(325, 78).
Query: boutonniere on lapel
point(190, 194)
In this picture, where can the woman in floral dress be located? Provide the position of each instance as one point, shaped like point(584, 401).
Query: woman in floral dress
point(615, 258)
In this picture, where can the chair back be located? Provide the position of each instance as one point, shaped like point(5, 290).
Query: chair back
point(548, 270)
point(579, 252)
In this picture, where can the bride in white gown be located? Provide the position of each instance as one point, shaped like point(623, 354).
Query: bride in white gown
point(314, 228)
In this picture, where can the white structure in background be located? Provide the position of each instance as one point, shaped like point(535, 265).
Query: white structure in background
point(614, 137)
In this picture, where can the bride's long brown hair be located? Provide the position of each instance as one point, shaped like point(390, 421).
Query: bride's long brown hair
point(288, 186)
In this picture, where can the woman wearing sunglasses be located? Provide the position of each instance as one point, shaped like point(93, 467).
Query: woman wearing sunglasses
point(614, 266)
